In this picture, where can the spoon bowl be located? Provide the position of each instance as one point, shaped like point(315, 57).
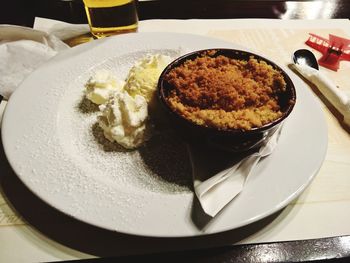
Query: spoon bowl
point(305, 57)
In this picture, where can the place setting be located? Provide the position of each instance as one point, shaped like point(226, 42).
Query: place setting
point(165, 138)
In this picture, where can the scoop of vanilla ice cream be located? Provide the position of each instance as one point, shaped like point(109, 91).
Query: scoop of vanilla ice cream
point(101, 86)
point(143, 76)
point(124, 119)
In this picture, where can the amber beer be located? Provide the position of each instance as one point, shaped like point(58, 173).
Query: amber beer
point(110, 17)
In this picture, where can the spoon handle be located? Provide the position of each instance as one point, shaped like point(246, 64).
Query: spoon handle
point(337, 97)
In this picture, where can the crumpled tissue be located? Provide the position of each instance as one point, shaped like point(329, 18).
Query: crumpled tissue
point(23, 49)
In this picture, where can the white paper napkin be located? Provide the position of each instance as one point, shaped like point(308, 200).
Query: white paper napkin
point(22, 50)
point(61, 30)
point(335, 95)
point(216, 185)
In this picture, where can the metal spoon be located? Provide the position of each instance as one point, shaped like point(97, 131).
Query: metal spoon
point(305, 57)
point(306, 64)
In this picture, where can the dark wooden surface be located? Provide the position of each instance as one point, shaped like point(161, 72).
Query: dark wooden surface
point(22, 12)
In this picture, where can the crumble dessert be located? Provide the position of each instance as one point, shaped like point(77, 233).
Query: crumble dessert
point(226, 93)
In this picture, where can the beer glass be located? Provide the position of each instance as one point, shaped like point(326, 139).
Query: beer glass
point(110, 17)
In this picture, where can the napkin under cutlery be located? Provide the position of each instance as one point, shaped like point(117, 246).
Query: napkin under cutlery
point(336, 96)
point(216, 186)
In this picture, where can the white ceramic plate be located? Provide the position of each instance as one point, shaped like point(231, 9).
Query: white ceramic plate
point(52, 147)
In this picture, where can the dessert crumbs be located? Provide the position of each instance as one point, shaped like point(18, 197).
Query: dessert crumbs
point(226, 93)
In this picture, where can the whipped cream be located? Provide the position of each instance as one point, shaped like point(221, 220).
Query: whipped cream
point(124, 105)
point(124, 119)
point(101, 86)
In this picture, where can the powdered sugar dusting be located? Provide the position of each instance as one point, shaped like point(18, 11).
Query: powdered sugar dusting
point(161, 165)
point(53, 144)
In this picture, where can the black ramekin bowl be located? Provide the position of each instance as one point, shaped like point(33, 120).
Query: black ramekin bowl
point(235, 140)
